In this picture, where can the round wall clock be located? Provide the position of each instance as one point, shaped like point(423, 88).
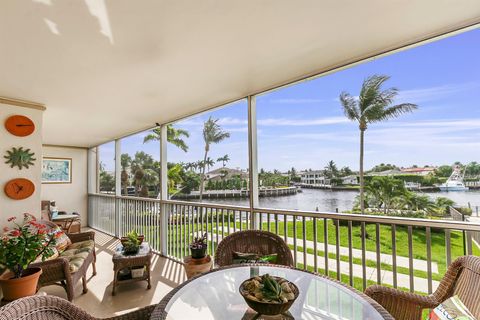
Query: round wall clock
point(19, 189)
point(20, 126)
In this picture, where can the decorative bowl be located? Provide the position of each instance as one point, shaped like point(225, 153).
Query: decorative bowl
point(268, 308)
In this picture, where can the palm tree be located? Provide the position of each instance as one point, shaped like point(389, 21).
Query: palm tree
point(331, 169)
point(209, 163)
point(212, 133)
point(373, 105)
point(174, 136)
point(125, 162)
point(224, 160)
point(140, 163)
point(385, 191)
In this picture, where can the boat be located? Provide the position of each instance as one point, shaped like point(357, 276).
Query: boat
point(454, 182)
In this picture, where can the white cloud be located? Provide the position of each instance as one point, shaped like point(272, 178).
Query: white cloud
point(302, 122)
point(435, 93)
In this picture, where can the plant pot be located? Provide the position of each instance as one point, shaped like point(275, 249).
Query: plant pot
point(21, 287)
point(198, 253)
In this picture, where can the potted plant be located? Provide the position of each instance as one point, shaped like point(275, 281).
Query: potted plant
point(131, 243)
point(198, 248)
point(19, 247)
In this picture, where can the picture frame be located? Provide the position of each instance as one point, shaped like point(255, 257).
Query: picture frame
point(56, 170)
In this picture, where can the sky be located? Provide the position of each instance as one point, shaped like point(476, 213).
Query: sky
point(303, 125)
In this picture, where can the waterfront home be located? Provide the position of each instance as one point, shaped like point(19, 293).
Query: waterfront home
point(419, 171)
point(224, 173)
point(390, 172)
point(83, 82)
point(314, 178)
point(350, 180)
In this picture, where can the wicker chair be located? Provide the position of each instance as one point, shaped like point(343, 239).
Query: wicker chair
point(462, 279)
point(54, 308)
point(57, 271)
point(253, 241)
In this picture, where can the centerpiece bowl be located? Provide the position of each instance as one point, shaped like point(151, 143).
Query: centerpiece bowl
point(264, 306)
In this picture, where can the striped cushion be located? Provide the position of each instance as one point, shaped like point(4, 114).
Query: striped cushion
point(62, 240)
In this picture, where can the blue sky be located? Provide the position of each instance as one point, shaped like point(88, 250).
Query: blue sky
point(303, 125)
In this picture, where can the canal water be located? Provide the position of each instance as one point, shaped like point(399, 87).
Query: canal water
point(327, 200)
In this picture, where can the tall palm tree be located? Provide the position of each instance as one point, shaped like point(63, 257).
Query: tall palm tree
point(125, 162)
point(373, 105)
point(212, 134)
point(174, 136)
point(224, 160)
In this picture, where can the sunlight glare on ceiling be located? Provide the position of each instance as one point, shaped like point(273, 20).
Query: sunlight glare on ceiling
point(52, 26)
point(98, 9)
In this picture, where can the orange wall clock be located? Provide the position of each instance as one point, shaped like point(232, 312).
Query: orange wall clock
point(19, 126)
point(19, 189)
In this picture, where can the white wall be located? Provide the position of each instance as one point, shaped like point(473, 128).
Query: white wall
point(70, 197)
point(9, 207)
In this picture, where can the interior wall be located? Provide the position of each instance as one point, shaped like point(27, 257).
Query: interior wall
point(69, 197)
point(10, 207)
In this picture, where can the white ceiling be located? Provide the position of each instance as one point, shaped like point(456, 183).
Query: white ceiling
point(108, 68)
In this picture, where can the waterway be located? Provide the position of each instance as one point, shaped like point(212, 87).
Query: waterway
point(327, 200)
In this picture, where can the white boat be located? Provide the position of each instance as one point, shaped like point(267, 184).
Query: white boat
point(454, 182)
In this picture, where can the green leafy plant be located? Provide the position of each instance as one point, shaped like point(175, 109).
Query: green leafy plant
point(199, 242)
point(20, 158)
point(132, 244)
point(271, 288)
point(24, 243)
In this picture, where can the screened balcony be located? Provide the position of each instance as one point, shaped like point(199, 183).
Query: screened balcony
point(123, 92)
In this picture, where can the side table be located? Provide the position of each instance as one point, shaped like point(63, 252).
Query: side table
point(142, 259)
point(197, 266)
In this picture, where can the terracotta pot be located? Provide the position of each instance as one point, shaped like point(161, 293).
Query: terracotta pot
point(21, 287)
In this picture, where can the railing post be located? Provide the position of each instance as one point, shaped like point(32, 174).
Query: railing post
point(163, 236)
point(118, 186)
point(253, 160)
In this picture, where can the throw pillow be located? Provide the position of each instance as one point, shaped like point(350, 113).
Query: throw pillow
point(452, 308)
point(62, 240)
point(54, 256)
point(240, 257)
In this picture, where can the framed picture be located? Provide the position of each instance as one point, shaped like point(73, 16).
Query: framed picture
point(56, 170)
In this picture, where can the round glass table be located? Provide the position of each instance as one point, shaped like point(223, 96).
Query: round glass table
point(215, 295)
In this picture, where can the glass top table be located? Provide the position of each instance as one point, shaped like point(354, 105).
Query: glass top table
point(215, 295)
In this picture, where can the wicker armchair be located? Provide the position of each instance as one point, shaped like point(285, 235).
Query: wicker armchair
point(54, 308)
point(253, 241)
point(57, 271)
point(462, 279)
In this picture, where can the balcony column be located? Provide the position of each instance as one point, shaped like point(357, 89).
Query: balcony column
point(163, 190)
point(253, 161)
point(118, 187)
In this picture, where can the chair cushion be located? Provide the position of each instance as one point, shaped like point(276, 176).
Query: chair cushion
point(77, 252)
point(452, 308)
point(240, 257)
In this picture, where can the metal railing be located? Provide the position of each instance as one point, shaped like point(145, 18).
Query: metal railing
point(360, 250)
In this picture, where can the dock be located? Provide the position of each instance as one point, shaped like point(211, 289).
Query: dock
point(243, 193)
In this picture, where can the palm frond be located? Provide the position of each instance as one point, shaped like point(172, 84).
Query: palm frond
point(395, 111)
point(349, 105)
point(370, 91)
